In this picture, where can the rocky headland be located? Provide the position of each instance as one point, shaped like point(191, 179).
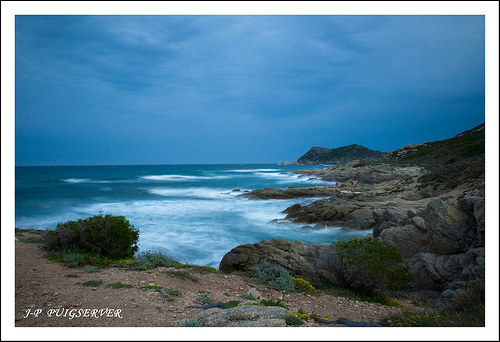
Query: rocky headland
point(344, 154)
point(427, 200)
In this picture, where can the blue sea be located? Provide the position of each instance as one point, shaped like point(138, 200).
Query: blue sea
point(189, 212)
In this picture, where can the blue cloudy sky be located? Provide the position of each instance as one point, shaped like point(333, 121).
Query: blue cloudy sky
point(175, 89)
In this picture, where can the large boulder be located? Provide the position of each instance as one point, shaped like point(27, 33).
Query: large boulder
point(295, 256)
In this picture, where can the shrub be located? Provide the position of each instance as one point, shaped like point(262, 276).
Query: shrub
point(204, 299)
point(304, 286)
point(270, 302)
point(231, 304)
point(192, 323)
point(273, 276)
point(73, 260)
point(293, 320)
point(109, 236)
point(119, 286)
point(365, 266)
point(150, 260)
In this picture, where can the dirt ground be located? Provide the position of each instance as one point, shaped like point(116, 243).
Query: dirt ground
point(50, 294)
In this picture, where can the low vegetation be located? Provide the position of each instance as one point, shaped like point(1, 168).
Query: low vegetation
point(365, 266)
point(111, 237)
point(273, 276)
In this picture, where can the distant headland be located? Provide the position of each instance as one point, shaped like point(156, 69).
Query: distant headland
point(333, 156)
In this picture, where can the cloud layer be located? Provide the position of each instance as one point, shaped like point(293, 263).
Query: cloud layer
point(240, 89)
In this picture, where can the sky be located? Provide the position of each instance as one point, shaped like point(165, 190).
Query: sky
point(213, 89)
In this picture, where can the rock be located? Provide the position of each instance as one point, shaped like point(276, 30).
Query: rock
point(254, 293)
point(292, 255)
point(407, 239)
point(245, 316)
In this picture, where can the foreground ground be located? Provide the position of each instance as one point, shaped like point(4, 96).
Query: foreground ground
point(43, 288)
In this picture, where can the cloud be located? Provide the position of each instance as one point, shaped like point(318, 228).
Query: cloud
point(148, 78)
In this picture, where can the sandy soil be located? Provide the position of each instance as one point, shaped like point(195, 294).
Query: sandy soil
point(44, 290)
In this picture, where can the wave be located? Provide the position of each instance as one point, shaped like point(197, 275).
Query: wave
point(285, 177)
point(181, 178)
point(253, 170)
point(191, 192)
point(93, 181)
point(77, 180)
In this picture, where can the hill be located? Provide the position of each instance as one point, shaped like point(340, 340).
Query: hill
point(449, 162)
point(345, 154)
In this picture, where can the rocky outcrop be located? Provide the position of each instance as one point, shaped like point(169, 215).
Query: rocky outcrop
point(291, 192)
point(345, 154)
point(434, 216)
point(442, 239)
point(295, 256)
point(365, 174)
point(443, 243)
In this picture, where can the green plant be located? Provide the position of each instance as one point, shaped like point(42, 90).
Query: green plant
point(304, 286)
point(231, 304)
point(381, 299)
point(192, 323)
point(150, 260)
point(204, 299)
point(248, 297)
point(73, 260)
point(270, 302)
point(293, 320)
point(71, 275)
point(93, 283)
point(366, 265)
point(173, 292)
point(273, 276)
point(92, 270)
point(119, 286)
point(110, 236)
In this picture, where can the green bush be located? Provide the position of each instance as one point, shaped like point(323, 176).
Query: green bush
point(204, 299)
point(273, 276)
point(110, 236)
point(150, 260)
point(73, 260)
point(192, 323)
point(270, 302)
point(366, 266)
point(293, 320)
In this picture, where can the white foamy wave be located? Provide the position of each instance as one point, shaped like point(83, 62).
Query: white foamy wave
point(92, 181)
point(180, 178)
point(314, 180)
point(253, 170)
point(77, 180)
point(190, 192)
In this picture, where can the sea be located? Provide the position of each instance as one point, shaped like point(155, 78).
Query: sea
point(192, 213)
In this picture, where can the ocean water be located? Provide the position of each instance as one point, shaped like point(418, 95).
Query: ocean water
point(189, 212)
